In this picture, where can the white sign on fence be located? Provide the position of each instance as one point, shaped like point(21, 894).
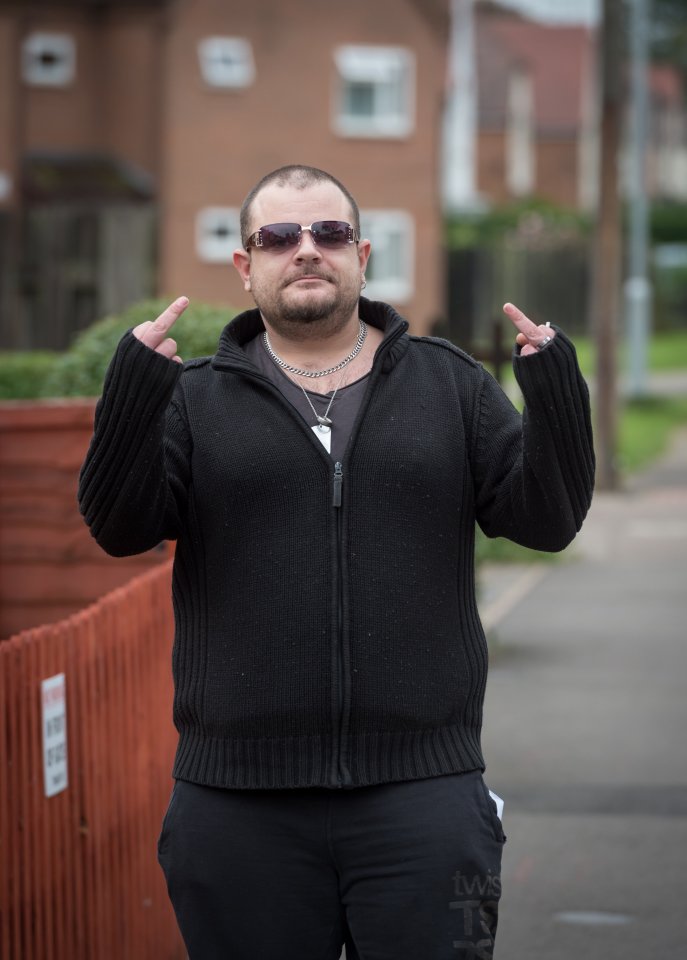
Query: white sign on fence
point(54, 707)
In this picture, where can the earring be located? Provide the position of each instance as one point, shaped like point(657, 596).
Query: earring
point(364, 284)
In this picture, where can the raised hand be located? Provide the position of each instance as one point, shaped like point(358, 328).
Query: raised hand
point(154, 332)
point(531, 338)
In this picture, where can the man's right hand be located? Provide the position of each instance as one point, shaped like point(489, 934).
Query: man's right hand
point(154, 332)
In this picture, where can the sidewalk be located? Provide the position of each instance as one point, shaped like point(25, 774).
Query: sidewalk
point(584, 731)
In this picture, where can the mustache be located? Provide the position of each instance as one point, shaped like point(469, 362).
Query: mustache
point(310, 274)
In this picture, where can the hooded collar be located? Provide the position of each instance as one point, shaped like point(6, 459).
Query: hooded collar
point(247, 325)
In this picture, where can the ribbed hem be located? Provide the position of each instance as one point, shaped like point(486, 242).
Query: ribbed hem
point(270, 764)
point(412, 755)
point(265, 763)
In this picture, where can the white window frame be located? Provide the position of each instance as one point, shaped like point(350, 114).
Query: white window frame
point(59, 74)
point(380, 67)
point(396, 285)
point(226, 62)
point(520, 148)
point(209, 246)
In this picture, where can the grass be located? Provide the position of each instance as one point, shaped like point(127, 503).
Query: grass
point(645, 425)
point(667, 351)
point(644, 433)
point(500, 550)
point(645, 428)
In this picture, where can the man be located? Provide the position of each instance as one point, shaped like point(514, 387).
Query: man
point(322, 475)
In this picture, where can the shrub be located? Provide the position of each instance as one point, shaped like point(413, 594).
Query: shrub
point(525, 223)
point(23, 373)
point(80, 371)
point(668, 222)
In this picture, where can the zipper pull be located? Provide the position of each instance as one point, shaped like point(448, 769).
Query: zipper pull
point(338, 483)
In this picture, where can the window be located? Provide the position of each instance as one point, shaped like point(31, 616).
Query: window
point(389, 271)
point(49, 59)
point(375, 92)
point(226, 62)
point(520, 154)
point(218, 234)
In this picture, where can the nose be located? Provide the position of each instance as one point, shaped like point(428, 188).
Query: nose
point(307, 249)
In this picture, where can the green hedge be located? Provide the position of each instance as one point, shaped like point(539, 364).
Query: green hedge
point(80, 371)
point(668, 222)
point(530, 221)
point(23, 374)
point(542, 220)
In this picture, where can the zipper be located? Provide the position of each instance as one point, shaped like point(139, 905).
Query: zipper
point(337, 500)
point(338, 484)
point(340, 776)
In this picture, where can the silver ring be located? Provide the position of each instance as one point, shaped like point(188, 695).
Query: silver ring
point(543, 343)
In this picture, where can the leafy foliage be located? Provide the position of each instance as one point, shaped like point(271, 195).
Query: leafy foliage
point(528, 223)
point(669, 222)
point(23, 373)
point(80, 371)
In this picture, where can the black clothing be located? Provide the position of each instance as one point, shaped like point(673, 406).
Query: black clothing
point(326, 625)
point(405, 870)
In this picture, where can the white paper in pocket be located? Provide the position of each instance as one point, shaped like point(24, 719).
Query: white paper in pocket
point(499, 804)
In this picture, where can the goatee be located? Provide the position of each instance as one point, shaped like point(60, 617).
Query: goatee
point(314, 318)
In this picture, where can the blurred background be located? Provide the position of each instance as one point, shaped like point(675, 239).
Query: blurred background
point(468, 130)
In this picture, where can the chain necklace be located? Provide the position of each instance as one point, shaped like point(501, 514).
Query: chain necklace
point(362, 333)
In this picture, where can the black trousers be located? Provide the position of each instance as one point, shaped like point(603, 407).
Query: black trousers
point(397, 871)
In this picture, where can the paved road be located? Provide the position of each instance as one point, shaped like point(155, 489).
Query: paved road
point(585, 723)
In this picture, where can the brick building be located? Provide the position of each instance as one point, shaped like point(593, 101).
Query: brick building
point(130, 132)
point(537, 132)
point(538, 123)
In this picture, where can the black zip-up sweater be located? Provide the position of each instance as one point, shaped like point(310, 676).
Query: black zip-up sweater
point(326, 625)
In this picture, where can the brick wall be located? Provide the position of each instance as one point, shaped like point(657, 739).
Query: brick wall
point(50, 566)
point(218, 143)
point(139, 95)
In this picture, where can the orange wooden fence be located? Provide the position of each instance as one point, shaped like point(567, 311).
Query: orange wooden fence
point(79, 878)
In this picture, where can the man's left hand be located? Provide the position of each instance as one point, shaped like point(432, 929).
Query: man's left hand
point(531, 338)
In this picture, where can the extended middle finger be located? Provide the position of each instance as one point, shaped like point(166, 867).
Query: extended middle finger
point(522, 321)
point(154, 332)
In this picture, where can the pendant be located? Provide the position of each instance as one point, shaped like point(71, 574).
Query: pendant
point(324, 421)
point(324, 435)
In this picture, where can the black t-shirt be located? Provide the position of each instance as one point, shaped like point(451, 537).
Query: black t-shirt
point(342, 412)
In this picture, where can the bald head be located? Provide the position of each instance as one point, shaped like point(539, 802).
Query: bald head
point(299, 177)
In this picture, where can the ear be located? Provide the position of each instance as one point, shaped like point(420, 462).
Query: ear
point(241, 260)
point(364, 247)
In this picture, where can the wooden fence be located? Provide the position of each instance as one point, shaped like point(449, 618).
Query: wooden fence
point(79, 878)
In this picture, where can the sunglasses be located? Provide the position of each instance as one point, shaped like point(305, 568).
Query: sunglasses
point(332, 234)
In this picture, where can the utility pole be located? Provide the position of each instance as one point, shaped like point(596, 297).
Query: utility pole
point(637, 286)
point(606, 277)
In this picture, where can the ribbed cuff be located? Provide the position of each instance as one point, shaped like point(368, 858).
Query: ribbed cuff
point(138, 387)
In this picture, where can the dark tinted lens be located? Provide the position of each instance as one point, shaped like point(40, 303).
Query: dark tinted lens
point(331, 233)
point(276, 236)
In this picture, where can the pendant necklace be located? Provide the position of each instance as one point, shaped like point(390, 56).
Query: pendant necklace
point(323, 427)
